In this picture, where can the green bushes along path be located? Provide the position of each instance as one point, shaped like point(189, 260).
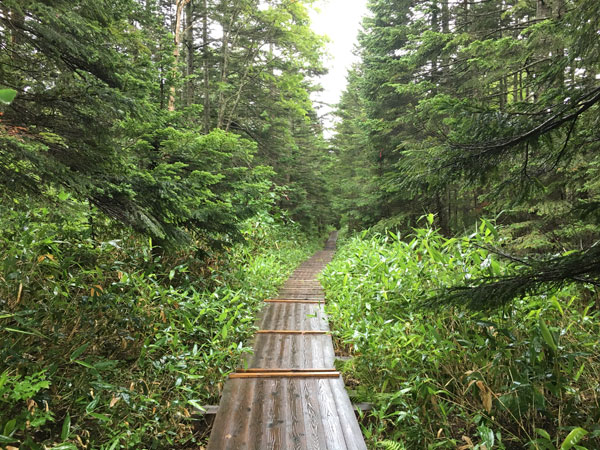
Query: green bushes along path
point(526, 376)
point(110, 346)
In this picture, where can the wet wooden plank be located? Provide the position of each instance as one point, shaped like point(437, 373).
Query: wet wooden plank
point(286, 409)
point(304, 351)
point(313, 423)
point(260, 369)
point(284, 374)
point(293, 300)
point(292, 332)
point(223, 424)
point(350, 427)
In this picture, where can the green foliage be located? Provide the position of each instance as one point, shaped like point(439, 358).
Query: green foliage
point(476, 108)
point(106, 344)
point(7, 96)
point(516, 377)
point(89, 117)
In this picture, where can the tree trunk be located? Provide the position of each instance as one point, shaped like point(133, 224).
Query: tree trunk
point(205, 66)
point(445, 30)
point(434, 27)
point(222, 102)
point(542, 9)
point(179, 4)
point(189, 44)
point(558, 9)
point(445, 17)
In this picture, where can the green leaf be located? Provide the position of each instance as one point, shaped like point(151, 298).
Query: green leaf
point(543, 433)
point(573, 438)
point(66, 428)
point(115, 443)
point(101, 417)
point(79, 351)
point(579, 372)
point(196, 405)
point(7, 96)
point(84, 364)
point(92, 405)
point(63, 196)
point(491, 228)
point(547, 335)
point(6, 439)
point(32, 333)
point(65, 446)
point(9, 427)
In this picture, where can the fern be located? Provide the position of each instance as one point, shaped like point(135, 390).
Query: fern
point(392, 445)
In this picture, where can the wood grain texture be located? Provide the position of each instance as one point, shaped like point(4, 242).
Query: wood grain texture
point(287, 394)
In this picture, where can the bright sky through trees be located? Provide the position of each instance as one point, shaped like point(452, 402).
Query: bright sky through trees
point(340, 21)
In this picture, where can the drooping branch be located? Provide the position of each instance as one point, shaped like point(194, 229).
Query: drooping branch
point(480, 150)
point(529, 278)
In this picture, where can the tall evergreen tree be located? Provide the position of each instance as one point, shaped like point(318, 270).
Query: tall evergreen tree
point(487, 108)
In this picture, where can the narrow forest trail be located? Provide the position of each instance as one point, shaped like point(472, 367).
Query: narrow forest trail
point(289, 395)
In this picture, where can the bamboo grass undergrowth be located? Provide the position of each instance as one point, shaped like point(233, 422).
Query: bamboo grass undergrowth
point(105, 344)
point(522, 376)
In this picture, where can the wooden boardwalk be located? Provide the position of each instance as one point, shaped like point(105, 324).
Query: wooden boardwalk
point(289, 396)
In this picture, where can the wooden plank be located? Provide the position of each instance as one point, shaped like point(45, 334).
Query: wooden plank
point(211, 410)
point(272, 433)
point(303, 280)
point(207, 410)
point(295, 300)
point(329, 415)
point(304, 288)
point(295, 428)
point(313, 424)
point(240, 436)
point(299, 370)
point(224, 421)
point(350, 427)
point(293, 332)
point(285, 397)
point(257, 417)
point(327, 352)
point(298, 347)
point(271, 374)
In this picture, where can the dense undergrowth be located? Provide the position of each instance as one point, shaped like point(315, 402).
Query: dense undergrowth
point(106, 343)
point(526, 376)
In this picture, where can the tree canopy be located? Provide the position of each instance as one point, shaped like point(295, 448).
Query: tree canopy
point(473, 108)
point(166, 116)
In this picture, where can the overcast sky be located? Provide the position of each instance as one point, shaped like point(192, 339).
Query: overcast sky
point(340, 21)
